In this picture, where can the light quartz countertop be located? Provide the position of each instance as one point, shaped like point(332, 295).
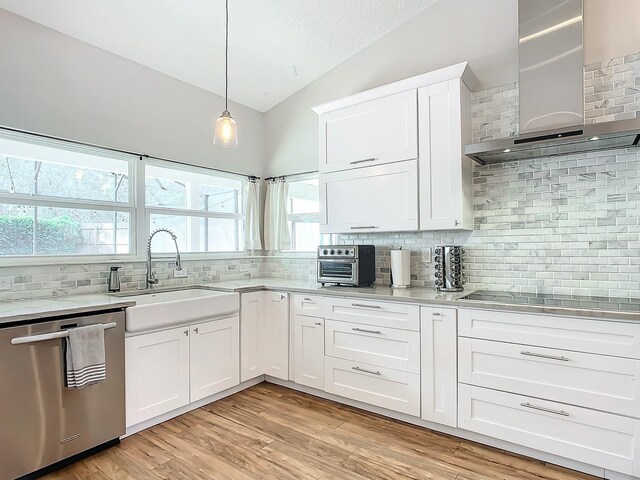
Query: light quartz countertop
point(41, 308)
point(596, 308)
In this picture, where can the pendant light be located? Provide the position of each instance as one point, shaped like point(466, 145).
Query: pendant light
point(226, 133)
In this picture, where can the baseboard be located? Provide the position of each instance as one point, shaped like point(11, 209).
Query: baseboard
point(192, 406)
point(457, 432)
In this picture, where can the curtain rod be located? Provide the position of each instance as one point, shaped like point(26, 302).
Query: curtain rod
point(291, 175)
point(126, 152)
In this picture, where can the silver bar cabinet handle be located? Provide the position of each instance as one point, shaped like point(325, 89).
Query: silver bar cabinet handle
point(364, 160)
point(543, 409)
point(365, 306)
point(362, 228)
point(365, 371)
point(540, 355)
point(377, 332)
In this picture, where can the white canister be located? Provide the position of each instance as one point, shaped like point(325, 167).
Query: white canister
point(400, 268)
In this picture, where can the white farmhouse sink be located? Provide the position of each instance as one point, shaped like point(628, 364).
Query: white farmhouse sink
point(155, 311)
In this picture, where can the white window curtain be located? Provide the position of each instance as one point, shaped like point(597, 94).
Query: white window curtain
point(252, 219)
point(276, 229)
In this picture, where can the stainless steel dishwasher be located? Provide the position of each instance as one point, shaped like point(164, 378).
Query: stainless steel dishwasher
point(42, 422)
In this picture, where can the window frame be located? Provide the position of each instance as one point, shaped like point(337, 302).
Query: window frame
point(294, 218)
point(45, 201)
point(139, 213)
point(150, 210)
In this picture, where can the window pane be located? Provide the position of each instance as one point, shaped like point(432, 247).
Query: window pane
point(193, 190)
point(197, 234)
point(44, 170)
point(306, 236)
point(304, 196)
point(28, 230)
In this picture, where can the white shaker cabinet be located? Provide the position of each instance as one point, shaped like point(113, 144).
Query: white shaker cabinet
point(446, 196)
point(251, 336)
point(439, 360)
point(214, 357)
point(372, 199)
point(309, 351)
point(379, 131)
point(276, 335)
point(264, 335)
point(157, 373)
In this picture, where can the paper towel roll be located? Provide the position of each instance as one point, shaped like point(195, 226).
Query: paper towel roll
point(400, 268)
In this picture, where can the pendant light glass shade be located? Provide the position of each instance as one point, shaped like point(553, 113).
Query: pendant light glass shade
point(226, 134)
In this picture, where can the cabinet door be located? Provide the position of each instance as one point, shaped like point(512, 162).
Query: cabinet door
point(439, 359)
point(309, 351)
point(252, 315)
point(157, 373)
point(372, 199)
point(276, 335)
point(445, 173)
point(214, 357)
point(379, 131)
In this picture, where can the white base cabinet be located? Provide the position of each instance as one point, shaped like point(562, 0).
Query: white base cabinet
point(169, 369)
point(264, 335)
point(309, 351)
point(439, 359)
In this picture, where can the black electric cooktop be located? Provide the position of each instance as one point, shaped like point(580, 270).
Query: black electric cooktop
point(548, 300)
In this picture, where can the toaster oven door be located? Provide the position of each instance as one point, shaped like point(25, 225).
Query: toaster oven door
point(338, 271)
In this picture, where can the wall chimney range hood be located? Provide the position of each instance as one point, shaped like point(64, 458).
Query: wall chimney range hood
point(550, 54)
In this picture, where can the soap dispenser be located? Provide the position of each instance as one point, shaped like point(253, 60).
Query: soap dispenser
point(114, 279)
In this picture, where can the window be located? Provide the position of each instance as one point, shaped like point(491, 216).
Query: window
point(59, 199)
point(303, 212)
point(203, 208)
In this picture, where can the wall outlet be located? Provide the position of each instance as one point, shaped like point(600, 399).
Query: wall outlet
point(426, 255)
point(5, 283)
point(182, 273)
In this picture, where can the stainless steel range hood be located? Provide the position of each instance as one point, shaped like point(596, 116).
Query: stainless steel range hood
point(551, 94)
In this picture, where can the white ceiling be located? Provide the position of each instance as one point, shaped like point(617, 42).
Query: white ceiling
point(276, 47)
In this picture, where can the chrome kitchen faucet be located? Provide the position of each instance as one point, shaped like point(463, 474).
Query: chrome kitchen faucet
point(150, 276)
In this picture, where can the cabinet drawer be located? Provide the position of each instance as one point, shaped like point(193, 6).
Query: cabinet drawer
point(593, 381)
point(596, 438)
point(619, 339)
point(379, 314)
point(375, 132)
point(386, 347)
point(392, 389)
point(310, 305)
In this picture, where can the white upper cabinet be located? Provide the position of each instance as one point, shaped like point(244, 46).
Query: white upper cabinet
point(379, 131)
point(380, 147)
point(446, 197)
point(371, 199)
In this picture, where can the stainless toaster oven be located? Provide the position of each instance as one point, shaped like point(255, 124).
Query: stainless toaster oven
point(353, 265)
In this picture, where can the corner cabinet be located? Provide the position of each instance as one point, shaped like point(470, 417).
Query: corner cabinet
point(264, 335)
point(391, 158)
point(372, 199)
point(446, 196)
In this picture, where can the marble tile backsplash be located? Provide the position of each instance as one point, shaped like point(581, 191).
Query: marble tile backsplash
point(59, 280)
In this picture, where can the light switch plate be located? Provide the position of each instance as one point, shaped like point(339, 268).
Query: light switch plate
point(179, 273)
point(5, 283)
point(426, 255)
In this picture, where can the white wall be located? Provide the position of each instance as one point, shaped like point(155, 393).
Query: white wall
point(51, 83)
point(484, 33)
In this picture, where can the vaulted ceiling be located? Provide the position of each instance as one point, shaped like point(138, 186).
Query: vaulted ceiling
point(276, 47)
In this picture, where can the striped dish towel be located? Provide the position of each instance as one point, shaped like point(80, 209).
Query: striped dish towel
point(85, 357)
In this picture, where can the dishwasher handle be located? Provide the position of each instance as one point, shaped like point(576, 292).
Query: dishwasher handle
point(52, 336)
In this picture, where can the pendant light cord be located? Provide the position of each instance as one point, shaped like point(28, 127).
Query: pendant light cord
point(226, 58)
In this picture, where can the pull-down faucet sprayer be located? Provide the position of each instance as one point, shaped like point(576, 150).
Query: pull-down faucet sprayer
point(151, 277)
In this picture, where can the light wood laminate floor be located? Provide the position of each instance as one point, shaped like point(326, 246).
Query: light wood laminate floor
point(271, 432)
